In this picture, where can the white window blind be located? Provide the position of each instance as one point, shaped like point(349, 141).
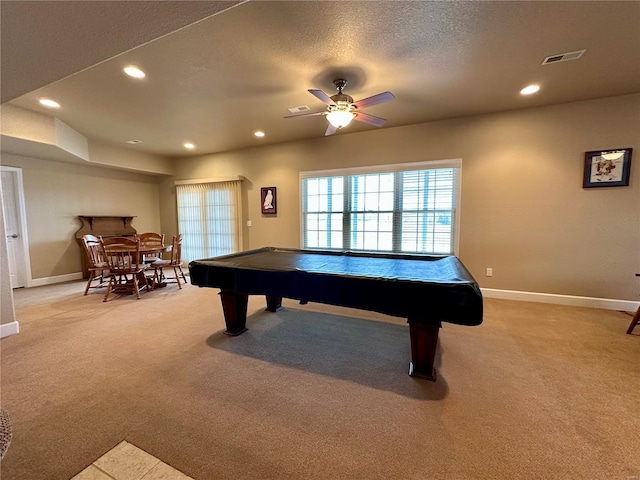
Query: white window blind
point(404, 208)
point(209, 218)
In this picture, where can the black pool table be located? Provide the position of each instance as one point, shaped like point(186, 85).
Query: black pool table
point(426, 290)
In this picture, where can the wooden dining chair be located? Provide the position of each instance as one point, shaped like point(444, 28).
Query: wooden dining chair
point(98, 268)
point(174, 263)
point(151, 240)
point(125, 265)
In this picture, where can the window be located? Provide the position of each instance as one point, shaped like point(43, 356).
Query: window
point(404, 208)
point(209, 218)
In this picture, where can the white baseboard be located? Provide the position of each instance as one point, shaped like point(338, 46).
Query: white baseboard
point(38, 282)
point(571, 300)
point(10, 328)
point(592, 302)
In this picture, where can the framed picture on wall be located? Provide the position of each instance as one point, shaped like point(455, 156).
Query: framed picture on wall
point(607, 168)
point(268, 198)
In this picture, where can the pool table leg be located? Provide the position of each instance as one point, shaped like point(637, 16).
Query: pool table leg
point(234, 306)
point(424, 340)
point(274, 304)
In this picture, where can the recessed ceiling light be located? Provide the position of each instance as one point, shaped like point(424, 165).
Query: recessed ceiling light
point(49, 103)
point(134, 142)
point(134, 72)
point(259, 133)
point(190, 146)
point(529, 89)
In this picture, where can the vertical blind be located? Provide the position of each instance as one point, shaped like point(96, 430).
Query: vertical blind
point(410, 209)
point(209, 218)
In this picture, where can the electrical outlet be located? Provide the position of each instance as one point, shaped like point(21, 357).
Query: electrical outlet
point(489, 272)
point(249, 223)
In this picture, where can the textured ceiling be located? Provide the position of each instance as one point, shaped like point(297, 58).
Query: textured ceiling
point(44, 41)
point(215, 82)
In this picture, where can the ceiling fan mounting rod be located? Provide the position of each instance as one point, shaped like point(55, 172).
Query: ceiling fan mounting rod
point(340, 83)
point(341, 98)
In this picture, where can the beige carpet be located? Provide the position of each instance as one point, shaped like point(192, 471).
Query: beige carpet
point(317, 392)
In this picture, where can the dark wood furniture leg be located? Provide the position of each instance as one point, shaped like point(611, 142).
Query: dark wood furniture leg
point(274, 303)
point(636, 317)
point(424, 340)
point(234, 306)
point(634, 322)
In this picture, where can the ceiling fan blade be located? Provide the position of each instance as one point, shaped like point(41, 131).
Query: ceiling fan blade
point(314, 114)
point(323, 97)
point(330, 130)
point(375, 100)
point(370, 119)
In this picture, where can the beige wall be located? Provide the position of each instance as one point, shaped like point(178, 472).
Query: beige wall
point(133, 161)
point(36, 135)
point(524, 212)
point(57, 192)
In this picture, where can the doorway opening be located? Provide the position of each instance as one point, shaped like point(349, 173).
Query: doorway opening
point(15, 220)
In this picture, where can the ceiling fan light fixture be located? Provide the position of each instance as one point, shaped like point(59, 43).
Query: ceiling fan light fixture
point(340, 118)
point(341, 108)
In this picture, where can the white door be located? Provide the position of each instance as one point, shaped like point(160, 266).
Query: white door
point(13, 219)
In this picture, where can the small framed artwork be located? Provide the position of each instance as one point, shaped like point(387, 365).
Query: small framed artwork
point(268, 198)
point(607, 168)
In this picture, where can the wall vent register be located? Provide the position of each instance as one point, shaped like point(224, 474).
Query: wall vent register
point(563, 57)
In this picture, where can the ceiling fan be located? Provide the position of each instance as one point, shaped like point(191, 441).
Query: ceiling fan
point(341, 108)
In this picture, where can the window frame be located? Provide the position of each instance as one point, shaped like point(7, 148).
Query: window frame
point(235, 192)
point(455, 163)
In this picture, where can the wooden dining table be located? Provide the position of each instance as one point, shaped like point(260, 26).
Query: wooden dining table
point(142, 251)
point(146, 250)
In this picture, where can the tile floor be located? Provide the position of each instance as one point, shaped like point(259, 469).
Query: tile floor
point(128, 462)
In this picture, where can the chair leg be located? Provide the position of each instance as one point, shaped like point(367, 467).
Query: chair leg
point(106, 294)
point(634, 322)
point(147, 285)
point(175, 272)
point(182, 273)
point(139, 277)
point(91, 277)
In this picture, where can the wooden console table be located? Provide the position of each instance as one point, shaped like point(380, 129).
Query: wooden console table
point(102, 226)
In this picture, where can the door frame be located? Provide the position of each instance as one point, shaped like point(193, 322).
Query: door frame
point(25, 263)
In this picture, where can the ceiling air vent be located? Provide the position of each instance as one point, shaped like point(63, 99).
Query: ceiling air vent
point(301, 108)
point(563, 57)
